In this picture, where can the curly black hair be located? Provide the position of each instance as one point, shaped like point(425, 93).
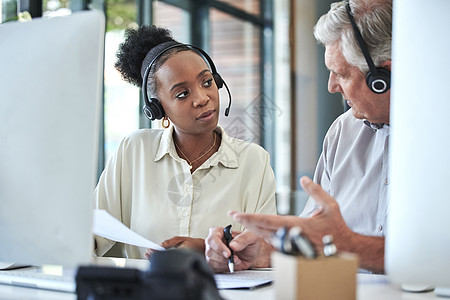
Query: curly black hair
point(133, 50)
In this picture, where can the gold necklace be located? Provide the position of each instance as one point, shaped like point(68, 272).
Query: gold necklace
point(192, 162)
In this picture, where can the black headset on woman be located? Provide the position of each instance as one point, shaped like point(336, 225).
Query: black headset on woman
point(152, 107)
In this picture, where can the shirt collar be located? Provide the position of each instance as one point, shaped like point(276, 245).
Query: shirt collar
point(374, 126)
point(166, 145)
point(226, 155)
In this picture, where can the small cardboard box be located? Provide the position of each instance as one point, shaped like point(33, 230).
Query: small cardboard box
point(323, 278)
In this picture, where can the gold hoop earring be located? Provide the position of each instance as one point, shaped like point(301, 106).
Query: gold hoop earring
point(165, 122)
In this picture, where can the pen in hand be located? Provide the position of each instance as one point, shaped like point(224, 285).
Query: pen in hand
point(228, 238)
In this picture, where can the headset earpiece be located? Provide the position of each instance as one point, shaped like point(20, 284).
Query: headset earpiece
point(153, 109)
point(380, 82)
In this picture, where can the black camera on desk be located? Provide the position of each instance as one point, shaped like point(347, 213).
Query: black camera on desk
point(173, 274)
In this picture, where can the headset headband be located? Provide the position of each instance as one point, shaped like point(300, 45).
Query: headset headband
point(166, 47)
point(362, 44)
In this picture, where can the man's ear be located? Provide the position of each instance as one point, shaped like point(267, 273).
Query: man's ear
point(386, 65)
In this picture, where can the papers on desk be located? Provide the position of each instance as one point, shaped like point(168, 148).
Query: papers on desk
point(248, 279)
point(109, 227)
point(9, 265)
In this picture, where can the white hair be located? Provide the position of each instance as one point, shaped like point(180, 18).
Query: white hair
point(374, 20)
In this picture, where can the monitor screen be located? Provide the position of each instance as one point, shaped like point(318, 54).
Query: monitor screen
point(51, 84)
point(418, 234)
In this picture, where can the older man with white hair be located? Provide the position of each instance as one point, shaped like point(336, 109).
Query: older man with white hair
point(349, 194)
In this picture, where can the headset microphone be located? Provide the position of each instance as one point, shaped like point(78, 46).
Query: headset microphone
point(377, 79)
point(152, 108)
point(227, 110)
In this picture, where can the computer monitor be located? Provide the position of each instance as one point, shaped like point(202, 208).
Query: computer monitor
point(51, 78)
point(418, 234)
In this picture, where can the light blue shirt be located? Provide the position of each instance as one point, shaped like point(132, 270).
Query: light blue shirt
point(353, 168)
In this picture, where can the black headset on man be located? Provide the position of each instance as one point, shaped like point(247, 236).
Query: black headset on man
point(377, 79)
point(152, 107)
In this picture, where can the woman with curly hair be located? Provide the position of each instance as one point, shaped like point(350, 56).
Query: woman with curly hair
point(171, 185)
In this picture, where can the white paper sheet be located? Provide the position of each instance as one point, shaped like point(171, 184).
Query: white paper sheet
point(8, 265)
point(244, 279)
point(109, 227)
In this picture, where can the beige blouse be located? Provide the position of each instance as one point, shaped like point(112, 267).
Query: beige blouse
point(150, 189)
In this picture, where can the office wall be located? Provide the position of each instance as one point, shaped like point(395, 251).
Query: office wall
point(315, 107)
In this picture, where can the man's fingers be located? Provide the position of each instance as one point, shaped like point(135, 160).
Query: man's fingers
point(252, 224)
point(257, 221)
point(321, 197)
point(241, 241)
point(235, 233)
point(316, 212)
point(264, 225)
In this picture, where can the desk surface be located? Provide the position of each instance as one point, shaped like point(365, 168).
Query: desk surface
point(370, 287)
